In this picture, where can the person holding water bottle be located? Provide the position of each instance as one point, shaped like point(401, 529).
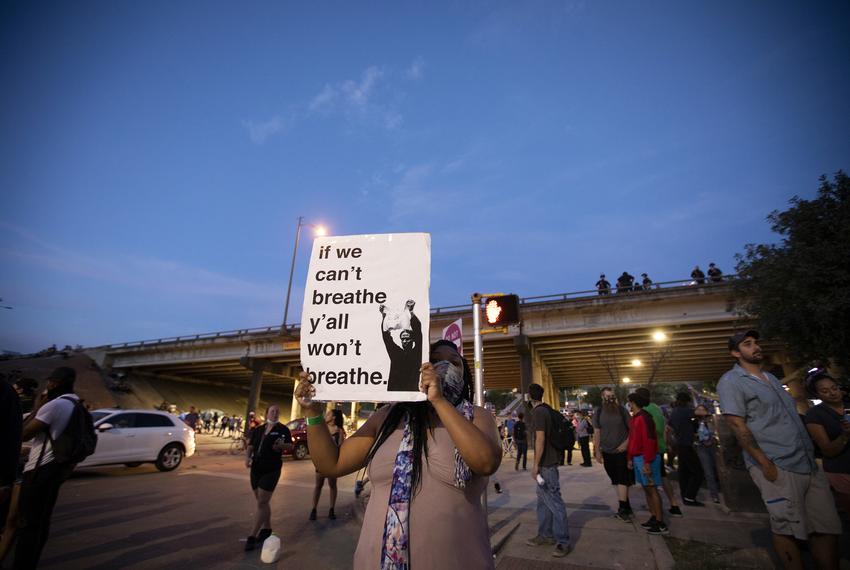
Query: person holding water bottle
point(551, 512)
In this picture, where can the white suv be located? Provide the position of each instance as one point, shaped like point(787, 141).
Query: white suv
point(134, 437)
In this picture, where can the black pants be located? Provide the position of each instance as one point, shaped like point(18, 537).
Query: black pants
point(39, 491)
point(690, 471)
point(521, 453)
point(570, 453)
point(584, 444)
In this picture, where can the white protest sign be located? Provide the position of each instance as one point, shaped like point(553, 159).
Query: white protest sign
point(366, 317)
point(454, 333)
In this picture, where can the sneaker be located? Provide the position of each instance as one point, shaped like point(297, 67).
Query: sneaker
point(358, 488)
point(675, 512)
point(624, 516)
point(250, 544)
point(263, 534)
point(539, 541)
point(313, 515)
point(561, 550)
point(498, 488)
point(332, 515)
point(659, 528)
point(650, 523)
point(587, 465)
point(716, 500)
point(693, 503)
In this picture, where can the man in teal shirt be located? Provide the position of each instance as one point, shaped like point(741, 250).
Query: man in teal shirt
point(660, 426)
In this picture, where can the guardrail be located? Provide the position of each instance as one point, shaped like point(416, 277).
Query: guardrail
point(574, 295)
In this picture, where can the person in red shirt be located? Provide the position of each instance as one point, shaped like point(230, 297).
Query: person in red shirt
point(644, 458)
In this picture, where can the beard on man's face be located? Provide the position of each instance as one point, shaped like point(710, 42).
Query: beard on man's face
point(757, 357)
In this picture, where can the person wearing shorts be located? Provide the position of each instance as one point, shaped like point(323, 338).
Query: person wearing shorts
point(263, 458)
point(644, 458)
point(780, 457)
point(610, 441)
point(661, 430)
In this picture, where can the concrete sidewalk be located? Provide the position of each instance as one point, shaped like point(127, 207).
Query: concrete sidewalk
point(601, 541)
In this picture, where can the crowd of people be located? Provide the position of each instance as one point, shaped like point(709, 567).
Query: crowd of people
point(222, 425)
point(626, 282)
point(425, 459)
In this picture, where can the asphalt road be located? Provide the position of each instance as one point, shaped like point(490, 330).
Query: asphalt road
point(196, 516)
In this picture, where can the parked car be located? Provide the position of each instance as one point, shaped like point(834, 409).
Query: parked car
point(133, 437)
point(299, 449)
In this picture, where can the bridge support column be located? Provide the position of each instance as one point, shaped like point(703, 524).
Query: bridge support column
point(257, 367)
point(526, 374)
point(541, 375)
point(295, 411)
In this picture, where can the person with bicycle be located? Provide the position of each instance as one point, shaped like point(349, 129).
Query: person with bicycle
point(521, 440)
point(263, 458)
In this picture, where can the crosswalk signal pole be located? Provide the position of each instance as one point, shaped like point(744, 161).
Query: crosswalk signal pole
point(478, 369)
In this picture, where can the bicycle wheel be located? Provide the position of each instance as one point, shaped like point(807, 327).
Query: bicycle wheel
point(237, 447)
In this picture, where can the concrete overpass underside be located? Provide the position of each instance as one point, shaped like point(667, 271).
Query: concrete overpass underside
point(561, 342)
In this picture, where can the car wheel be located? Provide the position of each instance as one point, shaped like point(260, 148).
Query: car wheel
point(301, 451)
point(170, 457)
point(133, 464)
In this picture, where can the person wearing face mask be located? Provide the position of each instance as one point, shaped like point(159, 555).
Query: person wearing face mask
point(263, 458)
point(428, 463)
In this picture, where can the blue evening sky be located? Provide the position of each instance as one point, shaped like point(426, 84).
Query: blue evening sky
point(154, 156)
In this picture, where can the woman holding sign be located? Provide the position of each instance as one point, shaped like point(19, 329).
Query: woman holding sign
point(422, 513)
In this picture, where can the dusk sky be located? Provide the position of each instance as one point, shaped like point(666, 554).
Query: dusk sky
point(154, 156)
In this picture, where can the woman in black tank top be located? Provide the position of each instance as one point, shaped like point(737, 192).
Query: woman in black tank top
point(334, 420)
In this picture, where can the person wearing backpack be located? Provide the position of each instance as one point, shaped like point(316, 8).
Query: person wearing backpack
point(63, 434)
point(550, 440)
point(610, 442)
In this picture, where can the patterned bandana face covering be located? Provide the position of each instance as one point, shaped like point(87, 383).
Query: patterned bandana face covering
point(395, 553)
point(451, 380)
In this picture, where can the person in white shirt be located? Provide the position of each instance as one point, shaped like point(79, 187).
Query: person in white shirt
point(43, 474)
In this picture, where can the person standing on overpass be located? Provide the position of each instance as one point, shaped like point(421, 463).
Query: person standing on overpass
point(780, 457)
point(603, 287)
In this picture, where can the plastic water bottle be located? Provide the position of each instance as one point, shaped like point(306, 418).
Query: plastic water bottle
point(271, 549)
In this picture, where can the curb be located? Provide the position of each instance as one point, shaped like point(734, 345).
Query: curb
point(498, 540)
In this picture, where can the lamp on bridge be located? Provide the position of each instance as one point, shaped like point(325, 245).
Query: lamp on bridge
point(626, 380)
point(659, 336)
point(319, 231)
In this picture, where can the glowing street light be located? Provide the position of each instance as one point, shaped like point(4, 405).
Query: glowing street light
point(637, 363)
point(626, 380)
point(659, 336)
point(318, 230)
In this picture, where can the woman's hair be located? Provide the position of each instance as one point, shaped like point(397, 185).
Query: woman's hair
point(420, 421)
point(813, 377)
point(703, 406)
point(639, 399)
point(337, 418)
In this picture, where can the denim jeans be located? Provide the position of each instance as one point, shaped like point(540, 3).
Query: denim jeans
point(551, 512)
point(709, 469)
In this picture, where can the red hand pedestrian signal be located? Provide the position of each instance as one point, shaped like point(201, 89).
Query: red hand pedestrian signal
point(502, 310)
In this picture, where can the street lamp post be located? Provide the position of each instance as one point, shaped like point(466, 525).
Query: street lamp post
point(319, 231)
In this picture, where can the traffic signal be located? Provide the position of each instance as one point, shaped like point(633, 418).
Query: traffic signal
point(501, 310)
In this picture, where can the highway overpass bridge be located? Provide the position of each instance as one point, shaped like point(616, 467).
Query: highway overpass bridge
point(672, 333)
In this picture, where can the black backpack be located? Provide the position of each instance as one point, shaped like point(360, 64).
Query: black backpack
point(560, 437)
point(79, 438)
